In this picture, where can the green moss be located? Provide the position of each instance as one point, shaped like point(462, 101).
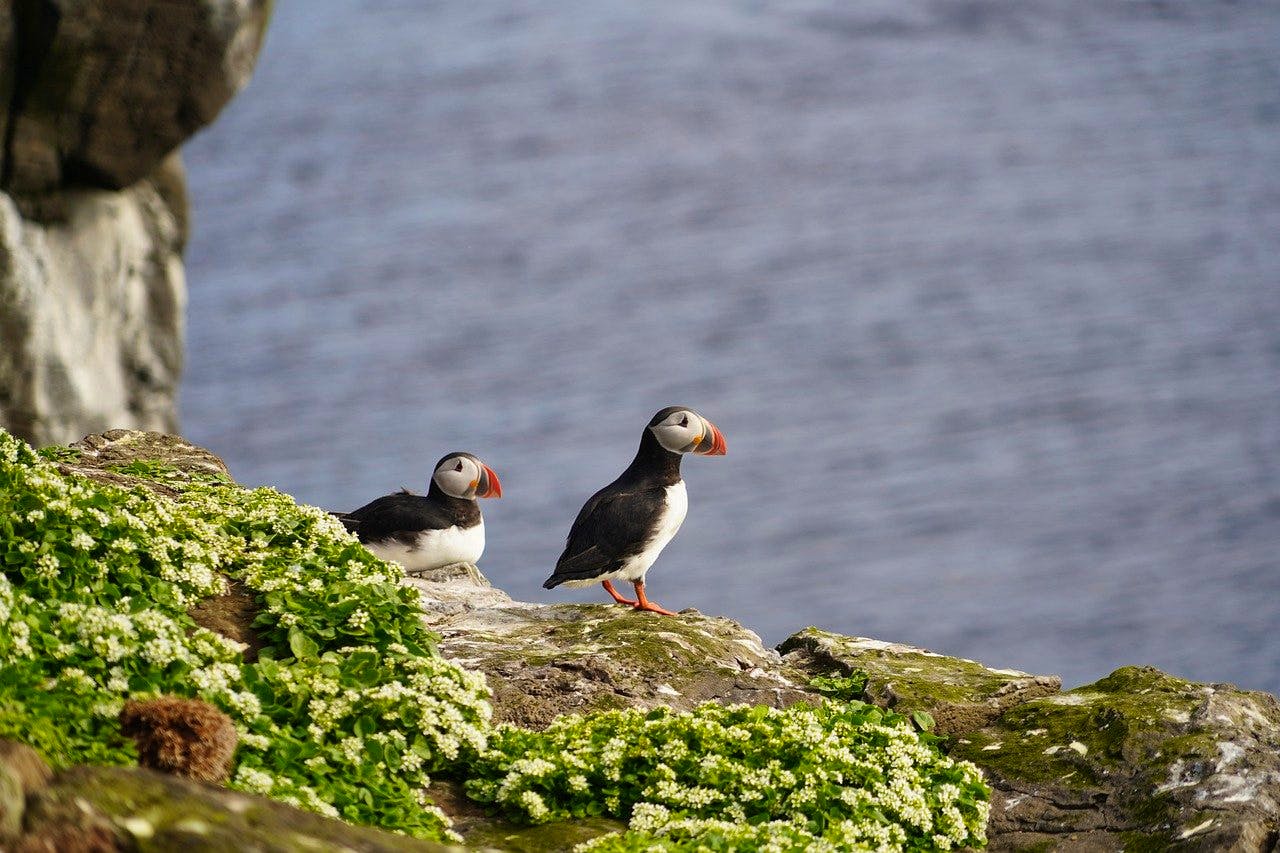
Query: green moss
point(1146, 842)
point(912, 678)
point(543, 838)
point(160, 813)
point(59, 453)
point(1131, 722)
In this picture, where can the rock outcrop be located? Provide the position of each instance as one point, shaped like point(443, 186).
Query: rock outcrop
point(107, 809)
point(96, 96)
point(1139, 760)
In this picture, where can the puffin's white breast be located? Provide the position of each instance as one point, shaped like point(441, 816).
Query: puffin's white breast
point(668, 524)
point(434, 548)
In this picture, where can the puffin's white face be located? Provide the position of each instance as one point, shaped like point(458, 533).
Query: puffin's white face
point(463, 476)
point(685, 431)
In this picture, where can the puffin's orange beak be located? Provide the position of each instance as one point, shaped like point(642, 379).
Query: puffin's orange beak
point(712, 443)
point(489, 485)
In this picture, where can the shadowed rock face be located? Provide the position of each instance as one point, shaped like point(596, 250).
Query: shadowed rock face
point(101, 92)
point(95, 97)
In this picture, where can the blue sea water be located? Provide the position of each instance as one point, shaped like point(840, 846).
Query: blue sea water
point(985, 297)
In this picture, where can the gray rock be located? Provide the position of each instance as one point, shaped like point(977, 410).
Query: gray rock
point(960, 694)
point(92, 314)
point(119, 808)
point(100, 92)
point(1137, 760)
point(22, 773)
point(546, 660)
point(98, 95)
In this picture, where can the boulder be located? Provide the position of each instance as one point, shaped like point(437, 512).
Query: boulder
point(22, 773)
point(100, 92)
point(544, 660)
point(959, 694)
point(123, 808)
point(93, 211)
point(1136, 760)
point(92, 313)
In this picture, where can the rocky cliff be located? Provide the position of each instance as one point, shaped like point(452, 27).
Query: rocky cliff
point(1139, 760)
point(95, 98)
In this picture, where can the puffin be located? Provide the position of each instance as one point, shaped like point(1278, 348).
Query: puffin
point(441, 528)
point(623, 528)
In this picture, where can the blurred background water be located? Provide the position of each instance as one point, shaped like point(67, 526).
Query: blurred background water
point(984, 295)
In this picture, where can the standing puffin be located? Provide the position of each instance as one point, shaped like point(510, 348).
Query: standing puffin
point(439, 529)
point(621, 530)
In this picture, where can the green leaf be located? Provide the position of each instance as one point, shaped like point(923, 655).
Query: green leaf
point(302, 646)
point(923, 720)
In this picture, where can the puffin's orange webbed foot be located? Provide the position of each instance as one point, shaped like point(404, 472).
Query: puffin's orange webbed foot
point(608, 587)
point(646, 604)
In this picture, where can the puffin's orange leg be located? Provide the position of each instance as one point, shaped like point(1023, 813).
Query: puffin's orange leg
point(608, 587)
point(646, 604)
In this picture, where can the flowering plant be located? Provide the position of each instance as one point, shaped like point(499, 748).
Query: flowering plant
point(345, 711)
point(832, 776)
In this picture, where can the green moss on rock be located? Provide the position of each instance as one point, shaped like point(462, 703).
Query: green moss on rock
point(543, 661)
point(961, 695)
point(148, 811)
point(1132, 721)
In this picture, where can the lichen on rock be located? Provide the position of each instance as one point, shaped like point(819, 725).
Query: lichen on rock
point(545, 660)
point(960, 694)
point(1139, 757)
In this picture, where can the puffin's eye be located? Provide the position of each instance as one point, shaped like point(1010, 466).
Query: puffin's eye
point(684, 421)
point(458, 467)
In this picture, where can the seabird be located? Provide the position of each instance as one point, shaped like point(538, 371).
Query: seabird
point(623, 527)
point(442, 528)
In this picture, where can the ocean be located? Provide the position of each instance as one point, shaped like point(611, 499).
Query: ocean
point(985, 297)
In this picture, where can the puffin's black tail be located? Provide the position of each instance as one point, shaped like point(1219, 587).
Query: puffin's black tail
point(585, 566)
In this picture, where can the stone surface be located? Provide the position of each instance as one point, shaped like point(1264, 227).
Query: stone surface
point(545, 660)
point(101, 456)
point(1140, 757)
point(960, 694)
point(91, 315)
point(118, 808)
point(99, 92)
point(96, 98)
point(1137, 760)
point(22, 773)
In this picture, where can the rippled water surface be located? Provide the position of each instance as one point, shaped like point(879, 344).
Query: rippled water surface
point(985, 297)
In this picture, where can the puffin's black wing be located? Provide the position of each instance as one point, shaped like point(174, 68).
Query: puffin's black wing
point(610, 528)
point(400, 516)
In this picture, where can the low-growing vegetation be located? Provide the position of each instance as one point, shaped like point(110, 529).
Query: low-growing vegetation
point(348, 708)
point(832, 776)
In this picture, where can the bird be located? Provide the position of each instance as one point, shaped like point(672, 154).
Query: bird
point(423, 532)
point(622, 528)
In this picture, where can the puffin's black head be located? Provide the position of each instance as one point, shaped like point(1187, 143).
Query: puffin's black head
point(680, 429)
point(462, 475)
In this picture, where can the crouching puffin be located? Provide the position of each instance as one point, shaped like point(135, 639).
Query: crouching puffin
point(427, 532)
point(621, 530)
